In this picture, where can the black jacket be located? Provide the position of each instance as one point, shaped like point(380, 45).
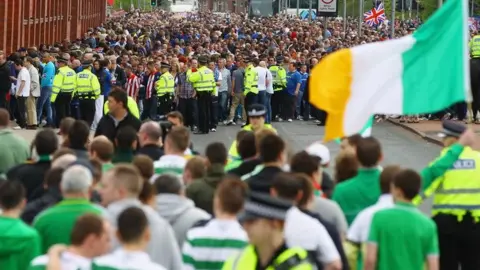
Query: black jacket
point(5, 83)
point(245, 168)
point(121, 77)
point(33, 208)
point(107, 127)
point(151, 150)
point(31, 176)
point(262, 181)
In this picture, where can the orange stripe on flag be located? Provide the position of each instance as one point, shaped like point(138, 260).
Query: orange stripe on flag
point(329, 90)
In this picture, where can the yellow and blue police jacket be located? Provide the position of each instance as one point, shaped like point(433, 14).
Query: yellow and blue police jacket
point(291, 258)
point(457, 191)
point(232, 152)
point(65, 81)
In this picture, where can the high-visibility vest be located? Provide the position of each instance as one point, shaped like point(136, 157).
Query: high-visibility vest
point(132, 107)
point(88, 86)
point(202, 80)
point(165, 84)
point(458, 190)
point(65, 81)
point(232, 152)
point(292, 258)
point(475, 46)
point(279, 76)
point(251, 80)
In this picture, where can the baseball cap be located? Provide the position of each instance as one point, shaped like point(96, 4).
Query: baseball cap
point(319, 150)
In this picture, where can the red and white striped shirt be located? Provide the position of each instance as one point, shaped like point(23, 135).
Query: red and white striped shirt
point(150, 85)
point(132, 85)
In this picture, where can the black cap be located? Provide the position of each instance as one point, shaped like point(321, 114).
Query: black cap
point(280, 59)
point(203, 60)
point(87, 62)
point(452, 129)
point(165, 65)
point(257, 110)
point(261, 205)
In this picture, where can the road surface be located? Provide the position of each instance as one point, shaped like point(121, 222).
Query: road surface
point(399, 146)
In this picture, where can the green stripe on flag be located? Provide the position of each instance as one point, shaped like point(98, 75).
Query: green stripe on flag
point(435, 71)
point(365, 132)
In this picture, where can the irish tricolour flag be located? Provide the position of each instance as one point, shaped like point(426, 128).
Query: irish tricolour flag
point(421, 73)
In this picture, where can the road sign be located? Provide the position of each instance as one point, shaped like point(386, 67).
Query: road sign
point(327, 8)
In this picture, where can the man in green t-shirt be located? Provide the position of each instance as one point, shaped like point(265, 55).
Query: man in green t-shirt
point(19, 243)
point(402, 237)
point(56, 223)
point(363, 190)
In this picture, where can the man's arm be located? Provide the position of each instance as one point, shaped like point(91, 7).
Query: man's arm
point(20, 89)
point(371, 257)
point(372, 245)
point(440, 165)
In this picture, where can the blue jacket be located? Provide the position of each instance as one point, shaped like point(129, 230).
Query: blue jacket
point(304, 77)
point(47, 75)
point(293, 78)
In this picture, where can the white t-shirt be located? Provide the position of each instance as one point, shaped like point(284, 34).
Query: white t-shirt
point(219, 79)
point(24, 75)
point(360, 228)
point(270, 79)
point(301, 230)
point(262, 78)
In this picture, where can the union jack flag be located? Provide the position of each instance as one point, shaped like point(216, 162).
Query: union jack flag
point(375, 16)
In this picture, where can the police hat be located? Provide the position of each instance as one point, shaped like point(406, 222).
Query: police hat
point(165, 65)
point(260, 205)
point(257, 110)
point(452, 129)
point(60, 58)
point(87, 63)
point(280, 59)
point(203, 60)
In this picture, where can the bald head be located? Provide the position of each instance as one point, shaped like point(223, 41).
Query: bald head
point(88, 56)
point(262, 64)
point(4, 118)
point(76, 63)
point(150, 132)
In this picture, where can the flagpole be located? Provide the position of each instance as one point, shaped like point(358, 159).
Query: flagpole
point(344, 15)
point(393, 20)
point(360, 17)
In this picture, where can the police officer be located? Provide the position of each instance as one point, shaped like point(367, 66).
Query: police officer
point(263, 219)
point(256, 116)
point(279, 75)
point(203, 82)
point(87, 91)
point(165, 87)
point(64, 84)
point(456, 204)
point(251, 84)
point(475, 74)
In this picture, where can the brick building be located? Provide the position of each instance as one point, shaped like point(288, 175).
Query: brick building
point(25, 23)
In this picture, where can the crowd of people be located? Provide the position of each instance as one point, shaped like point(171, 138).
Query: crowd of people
point(152, 55)
point(138, 196)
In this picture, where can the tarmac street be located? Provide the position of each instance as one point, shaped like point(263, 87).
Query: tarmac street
point(400, 146)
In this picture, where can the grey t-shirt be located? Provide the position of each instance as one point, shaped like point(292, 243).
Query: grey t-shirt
point(238, 76)
point(331, 212)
